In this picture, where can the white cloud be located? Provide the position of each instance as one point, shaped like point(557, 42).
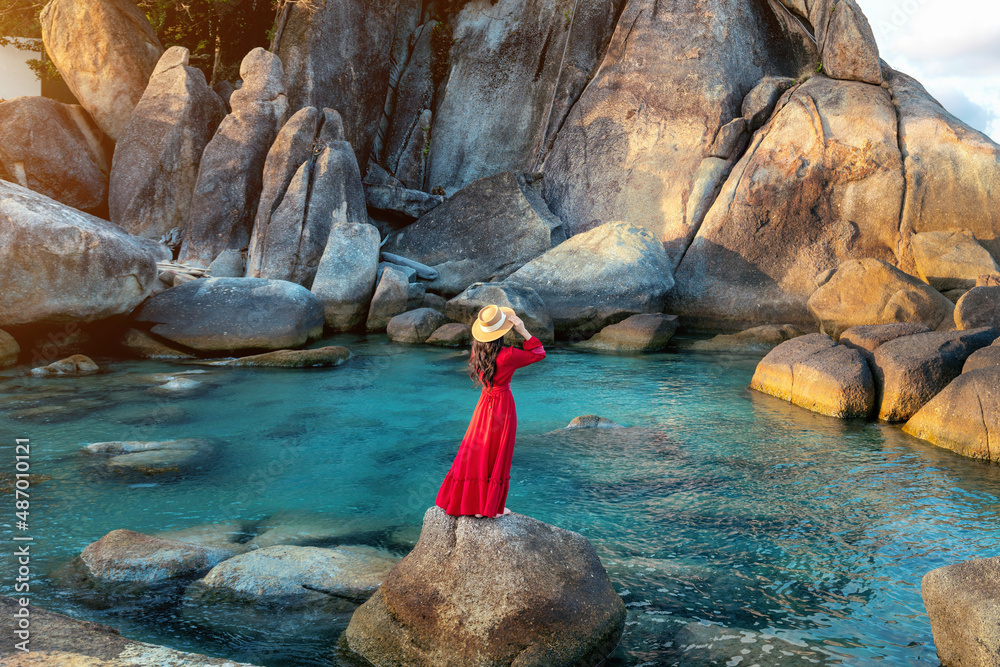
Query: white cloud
point(953, 49)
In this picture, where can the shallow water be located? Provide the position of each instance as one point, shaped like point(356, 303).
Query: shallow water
point(737, 528)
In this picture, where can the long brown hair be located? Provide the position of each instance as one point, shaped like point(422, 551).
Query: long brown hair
point(484, 358)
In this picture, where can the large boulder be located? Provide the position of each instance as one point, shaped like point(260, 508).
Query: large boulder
point(814, 373)
point(58, 264)
point(230, 175)
point(870, 291)
point(648, 332)
point(300, 204)
point(225, 314)
point(952, 171)
point(911, 370)
point(57, 639)
point(483, 233)
point(337, 54)
point(819, 184)
point(979, 307)
point(633, 146)
point(509, 59)
point(524, 301)
point(447, 602)
point(105, 50)
point(964, 417)
point(156, 159)
point(599, 277)
point(415, 326)
point(392, 296)
point(345, 277)
point(962, 601)
point(54, 149)
point(295, 576)
point(951, 259)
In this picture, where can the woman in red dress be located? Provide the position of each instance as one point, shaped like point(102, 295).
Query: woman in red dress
point(479, 477)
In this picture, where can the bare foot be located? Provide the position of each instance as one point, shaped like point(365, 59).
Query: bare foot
point(479, 516)
point(505, 511)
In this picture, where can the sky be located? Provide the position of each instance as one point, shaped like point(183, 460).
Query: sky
point(952, 48)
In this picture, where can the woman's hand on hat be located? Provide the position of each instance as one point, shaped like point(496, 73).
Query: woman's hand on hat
point(519, 326)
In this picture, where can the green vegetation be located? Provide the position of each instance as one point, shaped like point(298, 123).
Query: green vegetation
point(218, 33)
point(819, 67)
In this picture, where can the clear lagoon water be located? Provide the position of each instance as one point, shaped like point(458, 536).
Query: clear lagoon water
point(737, 528)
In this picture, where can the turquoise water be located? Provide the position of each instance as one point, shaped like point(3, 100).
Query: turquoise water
point(719, 512)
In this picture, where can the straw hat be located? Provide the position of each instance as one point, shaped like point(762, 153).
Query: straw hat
point(492, 323)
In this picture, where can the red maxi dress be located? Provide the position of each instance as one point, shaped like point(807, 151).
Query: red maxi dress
point(479, 477)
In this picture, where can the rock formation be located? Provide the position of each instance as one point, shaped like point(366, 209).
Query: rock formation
point(483, 233)
point(447, 602)
point(58, 264)
point(155, 166)
point(54, 149)
point(345, 277)
point(337, 54)
point(230, 174)
point(105, 50)
point(599, 277)
point(961, 601)
point(964, 417)
point(223, 314)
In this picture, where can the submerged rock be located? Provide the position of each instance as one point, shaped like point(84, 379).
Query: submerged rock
point(222, 314)
point(755, 339)
point(58, 264)
point(415, 326)
point(964, 417)
point(962, 601)
point(295, 577)
point(105, 50)
point(599, 277)
point(153, 457)
point(78, 364)
point(54, 149)
point(911, 370)
point(647, 332)
point(592, 421)
point(550, 604)
point(331, 355)
point(58, 640)
point(126, 556)
point(482, 233)
point(870, 291)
